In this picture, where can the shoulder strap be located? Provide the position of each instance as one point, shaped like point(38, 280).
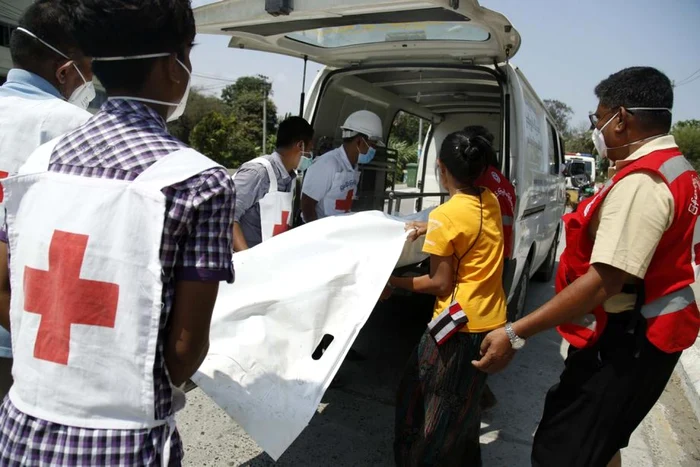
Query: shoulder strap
point(270, 172)
point(174, 168)
point(39, 160)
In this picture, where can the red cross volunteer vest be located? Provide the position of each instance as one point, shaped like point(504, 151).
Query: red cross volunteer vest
point(275, 206)
point(669, 307)
point(86, 284)
point(495, 181)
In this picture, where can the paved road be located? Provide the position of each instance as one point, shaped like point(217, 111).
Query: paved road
point(354, 424)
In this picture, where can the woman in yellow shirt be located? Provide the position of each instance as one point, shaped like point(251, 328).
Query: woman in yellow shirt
point(437, 411)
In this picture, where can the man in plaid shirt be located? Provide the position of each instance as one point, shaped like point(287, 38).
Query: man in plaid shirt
point(126, 137)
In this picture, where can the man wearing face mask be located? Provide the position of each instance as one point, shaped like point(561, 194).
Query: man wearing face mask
point(264, 186)
point(331, 182)
point(119, 236)
point(623, 301)
point(45, 96)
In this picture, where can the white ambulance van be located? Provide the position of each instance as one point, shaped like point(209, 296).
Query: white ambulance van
point(445, 61)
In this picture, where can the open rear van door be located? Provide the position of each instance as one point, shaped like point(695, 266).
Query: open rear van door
point(343, 33)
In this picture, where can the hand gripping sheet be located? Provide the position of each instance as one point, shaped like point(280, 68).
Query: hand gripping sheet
point(323, 278)
point(413, 251)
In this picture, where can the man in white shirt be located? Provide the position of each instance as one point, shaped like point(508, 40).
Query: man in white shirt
point(331, 182)
point(41, 100)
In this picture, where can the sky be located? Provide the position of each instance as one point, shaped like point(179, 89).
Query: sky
point(567, 48)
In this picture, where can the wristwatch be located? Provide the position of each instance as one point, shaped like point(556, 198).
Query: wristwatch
point(516, 341)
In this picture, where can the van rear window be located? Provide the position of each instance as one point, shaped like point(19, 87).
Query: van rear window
point(361, 34)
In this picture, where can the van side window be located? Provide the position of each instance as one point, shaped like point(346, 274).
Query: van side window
point(553, 150)
point(406, 137)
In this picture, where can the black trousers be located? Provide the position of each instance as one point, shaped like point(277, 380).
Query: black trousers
point(603, 394)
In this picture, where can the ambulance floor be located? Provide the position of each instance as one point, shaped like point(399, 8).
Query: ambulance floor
point(354, 423)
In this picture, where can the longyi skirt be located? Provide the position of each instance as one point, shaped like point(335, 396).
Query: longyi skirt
point(437, 411)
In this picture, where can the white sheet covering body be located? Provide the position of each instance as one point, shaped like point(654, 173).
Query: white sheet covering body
point(322, 278)
point(412, 252)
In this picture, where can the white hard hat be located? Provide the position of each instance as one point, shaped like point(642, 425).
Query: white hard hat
point(363, 122)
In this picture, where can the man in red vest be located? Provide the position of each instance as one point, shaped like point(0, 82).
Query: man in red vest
point(623, 301)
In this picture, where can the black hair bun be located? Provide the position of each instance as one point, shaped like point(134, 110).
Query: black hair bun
point(473, 147)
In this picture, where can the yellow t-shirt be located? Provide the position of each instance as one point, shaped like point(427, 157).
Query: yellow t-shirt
point(452, 229)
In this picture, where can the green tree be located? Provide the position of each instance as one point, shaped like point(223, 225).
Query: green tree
point(406, 153)
point(198, 106)
point(561, 113)
point(243, 85)
point(245, 99)
point(220, 136)
point(687, 134)
point(579, 139)
point(405, 128)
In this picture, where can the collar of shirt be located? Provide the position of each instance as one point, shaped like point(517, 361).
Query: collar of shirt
point(343, 157)
point(657, 144)
point(29, 85)
point(132, 109)
point(281, 169)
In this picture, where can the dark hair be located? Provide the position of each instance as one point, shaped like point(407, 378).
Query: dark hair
point(121, 28)
point(478, 130)
point(639, 87)
point(50, 21)
point(472, 131)
point(293, 130)
point(465, 157)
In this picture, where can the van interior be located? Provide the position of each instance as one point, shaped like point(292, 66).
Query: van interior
point(446, 98)
point(433, 59)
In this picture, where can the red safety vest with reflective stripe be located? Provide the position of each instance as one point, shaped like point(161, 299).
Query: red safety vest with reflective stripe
point(495, 181)
point(669, 307)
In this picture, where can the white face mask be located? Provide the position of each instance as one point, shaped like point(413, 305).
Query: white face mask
point(83, 94)
point(599, 139)
point(177, 108)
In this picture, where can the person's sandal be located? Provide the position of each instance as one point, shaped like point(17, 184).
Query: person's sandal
point(189, 385)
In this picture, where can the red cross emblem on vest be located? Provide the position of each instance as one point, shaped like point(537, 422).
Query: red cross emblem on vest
point(63, 299)
point(284, 226)
point(345, 204)
point(2, 191)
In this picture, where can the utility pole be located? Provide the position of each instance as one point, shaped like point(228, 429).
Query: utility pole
point(264, 120)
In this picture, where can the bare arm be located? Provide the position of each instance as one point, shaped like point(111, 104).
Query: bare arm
point(4, 287)
point(440, 281)
point(188, 335)
point(239, 243)
point(308, 208)
point(587, 292)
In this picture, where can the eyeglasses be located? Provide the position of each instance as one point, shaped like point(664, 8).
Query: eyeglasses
point(595, 119)
point(630, 110)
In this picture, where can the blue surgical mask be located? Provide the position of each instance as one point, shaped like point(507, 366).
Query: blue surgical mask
point(305, 161)
point(366, 158)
